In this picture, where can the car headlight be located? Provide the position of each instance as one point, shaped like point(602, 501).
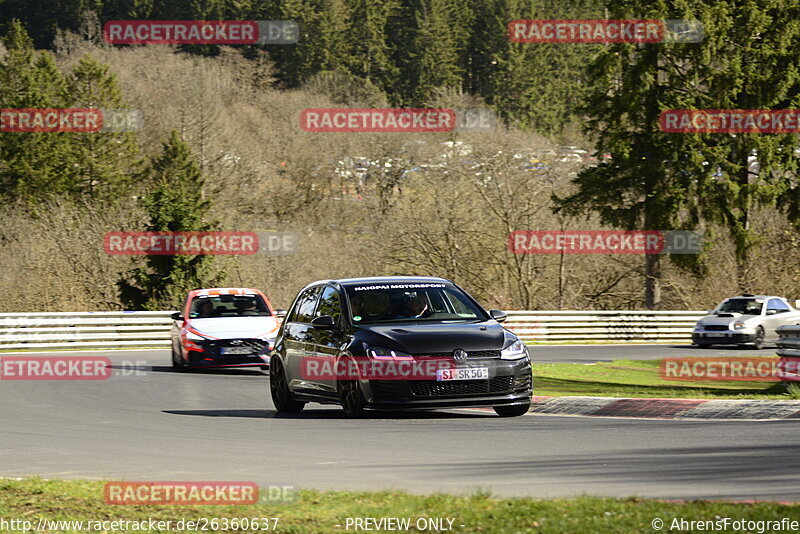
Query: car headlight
point(699, 325)
point(381, 353)
point(515, 351)
point(739, 325)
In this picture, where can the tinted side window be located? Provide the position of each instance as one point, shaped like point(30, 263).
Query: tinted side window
point(304, 307)
point(778, 305)
point(329, 304)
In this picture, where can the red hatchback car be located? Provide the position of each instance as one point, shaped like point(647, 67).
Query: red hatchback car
point(224, 327)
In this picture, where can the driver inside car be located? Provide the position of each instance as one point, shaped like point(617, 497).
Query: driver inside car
point(246, 306)
point(206, 309)
point(414, 307)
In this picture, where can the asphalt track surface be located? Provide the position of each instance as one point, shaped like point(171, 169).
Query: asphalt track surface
point(158, 424)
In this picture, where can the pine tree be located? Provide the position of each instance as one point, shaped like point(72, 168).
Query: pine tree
point(439, 42)
point(33, 164)
point(175, 203)
point(657, 180)
point(539, 86)
point(371, 56)
point(641, 188)
point(107, 161)
point(755, 65)
point(324, 44)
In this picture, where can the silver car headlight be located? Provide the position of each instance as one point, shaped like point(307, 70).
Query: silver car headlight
point(515, 351)
point(739, 325)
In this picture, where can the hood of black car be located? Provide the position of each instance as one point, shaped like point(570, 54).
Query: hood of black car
point(419, 338)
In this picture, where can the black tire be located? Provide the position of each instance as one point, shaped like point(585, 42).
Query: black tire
point(352, 398)
point(176, 364)
point(705, 345)
point(279, 388)
point(758, 342)
point(512, 411)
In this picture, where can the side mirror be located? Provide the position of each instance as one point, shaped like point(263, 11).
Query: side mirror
point(177, 316)
point(498, 316)
point(323, 322)
point(772, 312)
point(280, 313)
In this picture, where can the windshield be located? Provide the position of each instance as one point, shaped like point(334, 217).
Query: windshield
point(228, 306)
point(743, 306)
point(398, 302)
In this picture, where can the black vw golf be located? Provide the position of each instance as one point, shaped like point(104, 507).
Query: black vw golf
point(397, 343)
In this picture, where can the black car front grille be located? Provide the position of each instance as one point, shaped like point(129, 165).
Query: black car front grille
point(716, 327)
point(432, 388)
point(471, 355)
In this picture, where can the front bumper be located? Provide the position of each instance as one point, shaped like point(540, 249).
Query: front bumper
point(214, 353)
point(726, 337)
point(510, 382)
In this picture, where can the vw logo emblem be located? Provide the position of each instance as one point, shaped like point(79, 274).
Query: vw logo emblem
point(460, 355)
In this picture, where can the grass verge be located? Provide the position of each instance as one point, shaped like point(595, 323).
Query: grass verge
point(321, 512)
point(641, 378)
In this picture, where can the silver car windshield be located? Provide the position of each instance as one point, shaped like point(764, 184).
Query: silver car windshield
point(743, 306)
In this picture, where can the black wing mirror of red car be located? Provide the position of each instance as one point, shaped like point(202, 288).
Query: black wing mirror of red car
point(177, 316)
point(498, 315)
point(323, 322)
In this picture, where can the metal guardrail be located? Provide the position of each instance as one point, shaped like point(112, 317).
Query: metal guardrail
point(604, 326)
point(151, 329)
point(84, 329)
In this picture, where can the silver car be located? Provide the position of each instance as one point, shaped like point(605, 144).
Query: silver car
point(746, 319)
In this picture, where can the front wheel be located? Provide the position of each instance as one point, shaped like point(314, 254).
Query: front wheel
point(177, 364)
point(352, 398)
point(279, 388)
point(758, 342)
point(512, 411)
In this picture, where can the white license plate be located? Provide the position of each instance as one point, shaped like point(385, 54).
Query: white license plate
point(235, 350)
point(467, 373)
point(715, 334)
